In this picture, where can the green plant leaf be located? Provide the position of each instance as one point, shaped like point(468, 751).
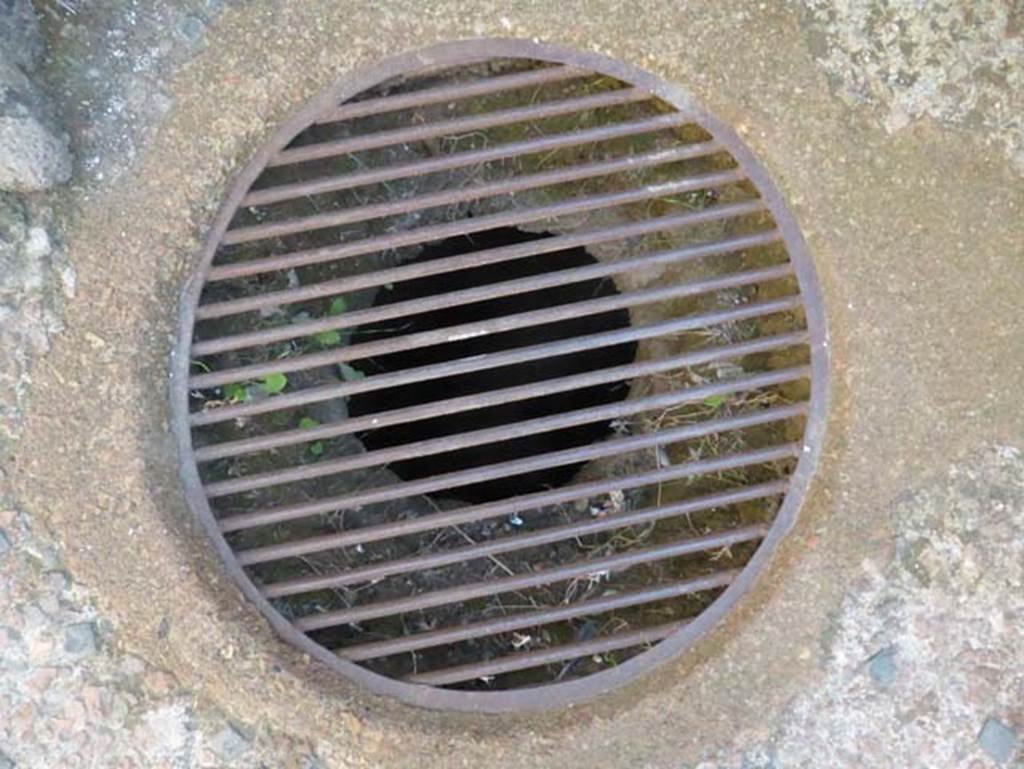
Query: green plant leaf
point(350, 374)
point(714, 401)
point(328, 338)
point(316, 448)
point(274, 383)
point(235, 392)
point(338, 306)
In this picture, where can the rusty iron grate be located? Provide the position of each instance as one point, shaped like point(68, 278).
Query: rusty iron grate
point(504, 368)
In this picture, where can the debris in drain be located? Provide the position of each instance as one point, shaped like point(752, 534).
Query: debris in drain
point(499, 375)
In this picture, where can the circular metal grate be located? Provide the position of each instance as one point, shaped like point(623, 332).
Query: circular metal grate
point(504, 368)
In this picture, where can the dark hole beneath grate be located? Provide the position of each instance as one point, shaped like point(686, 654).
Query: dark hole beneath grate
point(492, 379)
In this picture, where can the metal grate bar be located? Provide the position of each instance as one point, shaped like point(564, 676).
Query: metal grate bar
point(478, 259)
point(447, 93)
point(463, 194)
point(513, 467)
point(493, 360)
point(593, 606)
point(524, 392)
point(473, 513)
point(379, 571)
point(476, 513)
point(490, 291)
point(607, 448)
point(521, 582)
point(282, 192)
point(525, 660)
point(458, 125)
point(513, 218)
point(505, 432)
point(496, 325)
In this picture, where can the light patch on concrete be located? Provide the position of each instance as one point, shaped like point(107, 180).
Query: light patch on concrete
point(950, 607)
point(68, 700)
point(959, 63)
point(126, 76)
point(165, 735)
point(35, 281)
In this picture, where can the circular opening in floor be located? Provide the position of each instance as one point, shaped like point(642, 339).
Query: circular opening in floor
point(505, 368)
point(484, 380)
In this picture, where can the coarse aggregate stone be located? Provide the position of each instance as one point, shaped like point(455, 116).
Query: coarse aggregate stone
point(920, 660)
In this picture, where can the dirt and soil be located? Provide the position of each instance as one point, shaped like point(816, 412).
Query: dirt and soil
point(888, 631)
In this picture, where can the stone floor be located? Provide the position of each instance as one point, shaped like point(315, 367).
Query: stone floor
point(890, 631)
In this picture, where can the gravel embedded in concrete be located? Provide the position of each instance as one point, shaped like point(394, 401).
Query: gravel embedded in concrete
point(32, 157)
point(70, 701)
point(80, 639)
point(229, 743)
point(958, 64)
point(20, 39)
point(998, 740)
point(911, 540)
point(882, 666)
point(34, 154)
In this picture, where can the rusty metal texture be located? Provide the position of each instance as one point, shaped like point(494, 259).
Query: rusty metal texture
point(504, 367)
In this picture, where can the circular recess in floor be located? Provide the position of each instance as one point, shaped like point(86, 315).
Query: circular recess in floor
point(501, 375)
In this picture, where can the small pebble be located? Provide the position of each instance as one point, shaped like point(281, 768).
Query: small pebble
point(5, 545)
point(229, 743)
point(758, 758)
point(191, 28)
point(33, 618)
point(882, 666)
point(80, 639)
point(998, 740)
point(5, 762)
point(95, 341)
point(132, 666)
point(58, 581)
point(45, 555)
point(50, 604)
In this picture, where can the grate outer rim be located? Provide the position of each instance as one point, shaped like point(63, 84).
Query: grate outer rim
point(558, 694)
